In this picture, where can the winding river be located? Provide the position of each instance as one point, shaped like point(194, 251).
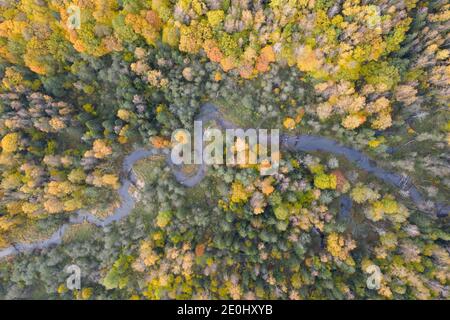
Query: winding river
point(301, 143)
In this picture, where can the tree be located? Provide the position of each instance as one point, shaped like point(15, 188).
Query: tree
point(10, 142)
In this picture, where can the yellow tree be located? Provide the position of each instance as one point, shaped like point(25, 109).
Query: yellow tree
point(10, 142)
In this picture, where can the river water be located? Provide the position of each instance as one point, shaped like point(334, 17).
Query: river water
point(208, 112)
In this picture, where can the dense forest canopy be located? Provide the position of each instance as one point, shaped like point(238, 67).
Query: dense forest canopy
point(84, 83)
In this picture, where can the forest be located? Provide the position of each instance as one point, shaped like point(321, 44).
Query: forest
point(92, 91)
